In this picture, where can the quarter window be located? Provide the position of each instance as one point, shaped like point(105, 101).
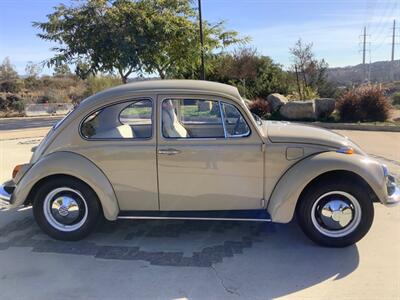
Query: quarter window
point(235, 123)
point(127, 120)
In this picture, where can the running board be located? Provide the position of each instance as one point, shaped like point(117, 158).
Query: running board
point(208, 215)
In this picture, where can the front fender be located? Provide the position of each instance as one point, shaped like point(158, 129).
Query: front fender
point(72, 164)
point(283, 200)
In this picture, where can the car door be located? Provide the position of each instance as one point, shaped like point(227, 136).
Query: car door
point(120, 139)
point(203, 164)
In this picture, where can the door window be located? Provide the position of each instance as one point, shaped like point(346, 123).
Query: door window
point(191, 118)
point(197, 118)
point(127, 120)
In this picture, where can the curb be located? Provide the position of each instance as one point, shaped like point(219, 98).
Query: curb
point(349, 126)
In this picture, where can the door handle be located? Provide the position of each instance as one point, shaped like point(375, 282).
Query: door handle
point(169, 151)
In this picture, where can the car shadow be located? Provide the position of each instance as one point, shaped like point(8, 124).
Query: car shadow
point(261, 260)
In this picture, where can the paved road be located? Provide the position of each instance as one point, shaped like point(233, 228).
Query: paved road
point(24, 123)
point(197, 260)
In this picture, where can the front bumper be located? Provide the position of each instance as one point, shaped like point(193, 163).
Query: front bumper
point(393, 190)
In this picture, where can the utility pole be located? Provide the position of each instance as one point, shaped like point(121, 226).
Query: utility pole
point(202, 69)
point(393, 43)
point(393, 39)
point(364, 48)
point(366, 72)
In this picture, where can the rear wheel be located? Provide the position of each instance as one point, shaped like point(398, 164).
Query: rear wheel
point(335, 214)
point(66, 208)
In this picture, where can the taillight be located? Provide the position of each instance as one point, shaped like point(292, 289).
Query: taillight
point(16, 170)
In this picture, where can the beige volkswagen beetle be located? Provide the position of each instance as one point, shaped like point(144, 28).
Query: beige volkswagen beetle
point(176, 149)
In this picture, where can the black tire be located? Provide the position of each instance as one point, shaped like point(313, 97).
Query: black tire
point(357, 228)
point(87, 203)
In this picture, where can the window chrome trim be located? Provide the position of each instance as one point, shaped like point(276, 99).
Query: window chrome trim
point(222, 118)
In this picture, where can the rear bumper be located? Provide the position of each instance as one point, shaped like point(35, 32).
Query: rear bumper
point(6, 191)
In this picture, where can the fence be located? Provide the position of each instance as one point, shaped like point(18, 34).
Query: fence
point(47, 109)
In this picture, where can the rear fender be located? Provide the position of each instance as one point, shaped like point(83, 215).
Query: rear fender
point(72, 164)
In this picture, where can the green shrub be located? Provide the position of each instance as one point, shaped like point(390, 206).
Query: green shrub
point(307, 93)
point(10, 86)
point(260, 107)
point(364, 104)
point(396, 98)
point(52, 95)
point(97, 84)
point(10, 102)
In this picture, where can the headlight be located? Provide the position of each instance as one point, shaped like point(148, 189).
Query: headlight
point(390, 181)
point(390, 185)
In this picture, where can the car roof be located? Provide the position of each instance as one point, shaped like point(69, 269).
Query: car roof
point(161, 86)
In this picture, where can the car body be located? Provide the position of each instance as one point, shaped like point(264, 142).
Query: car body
point(192, 150)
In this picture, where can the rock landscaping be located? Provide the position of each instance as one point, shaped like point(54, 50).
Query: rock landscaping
point(315, 109)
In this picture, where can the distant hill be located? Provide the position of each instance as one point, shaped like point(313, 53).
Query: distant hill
point(380, 72)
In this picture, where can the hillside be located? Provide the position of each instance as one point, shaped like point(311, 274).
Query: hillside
point(380, 72)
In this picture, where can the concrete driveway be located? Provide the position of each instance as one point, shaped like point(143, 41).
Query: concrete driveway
point(196, 260)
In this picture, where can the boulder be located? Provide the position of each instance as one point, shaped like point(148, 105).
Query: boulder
point(275, 101)
point(324, 107)
point(298, 110)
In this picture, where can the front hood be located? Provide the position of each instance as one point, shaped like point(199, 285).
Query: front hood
point(286, 132)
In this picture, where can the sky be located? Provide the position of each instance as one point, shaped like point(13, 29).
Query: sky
point(334, 28)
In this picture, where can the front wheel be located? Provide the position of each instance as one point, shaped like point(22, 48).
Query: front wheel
point(335, 214)
point(66, 208)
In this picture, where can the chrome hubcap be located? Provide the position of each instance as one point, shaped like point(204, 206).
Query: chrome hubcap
point(336, 214)
point(65, 209)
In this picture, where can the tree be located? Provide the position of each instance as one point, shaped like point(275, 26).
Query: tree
point(88, 34)
point(32, 70)
point(126, 36)
point(255, 75)
point(61, 70)
point(7, 71)
point(310, 73)
point(9, 80)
